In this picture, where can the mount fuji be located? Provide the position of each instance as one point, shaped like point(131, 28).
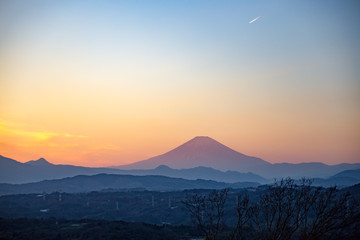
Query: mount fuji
point(202, 151)
point(207, 152)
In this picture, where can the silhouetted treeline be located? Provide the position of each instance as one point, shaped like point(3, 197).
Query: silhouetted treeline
point(286, 210)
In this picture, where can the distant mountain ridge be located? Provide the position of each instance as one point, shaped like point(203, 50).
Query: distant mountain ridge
point(349, 173)
point(201, 172)
point(103, 181)
point(207, 152)
point(12, 171)
point(342, 179)
point(39, 162)
point(299, 170)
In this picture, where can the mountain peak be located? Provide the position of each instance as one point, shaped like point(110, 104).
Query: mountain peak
point(202, 144)
point(39, 162)
point(202, 151)
point(202, 139)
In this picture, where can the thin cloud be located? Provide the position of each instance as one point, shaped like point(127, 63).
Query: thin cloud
point(255, 19)
point(11, 129)
point(73, 136)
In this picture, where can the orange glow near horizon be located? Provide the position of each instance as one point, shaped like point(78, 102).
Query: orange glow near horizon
point(105, 148)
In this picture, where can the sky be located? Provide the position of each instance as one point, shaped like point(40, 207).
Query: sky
point(104, 83)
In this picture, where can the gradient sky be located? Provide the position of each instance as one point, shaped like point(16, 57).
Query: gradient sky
point(101, 83)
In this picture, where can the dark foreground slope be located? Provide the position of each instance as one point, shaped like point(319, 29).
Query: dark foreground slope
point(134, 206)
point(165, 209)
point(137, 206)
point(86, 229)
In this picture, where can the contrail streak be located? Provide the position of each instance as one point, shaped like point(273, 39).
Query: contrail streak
point(257, 18)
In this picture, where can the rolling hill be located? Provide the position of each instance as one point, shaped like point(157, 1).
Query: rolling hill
point(100, 182)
